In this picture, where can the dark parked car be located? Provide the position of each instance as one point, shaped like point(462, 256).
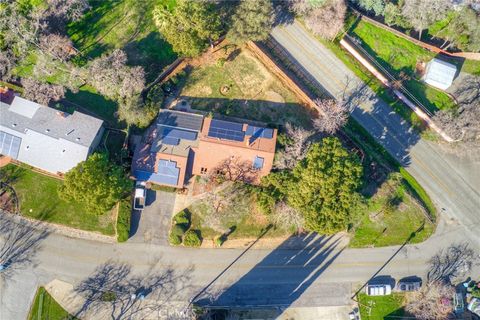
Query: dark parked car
point(409, 284)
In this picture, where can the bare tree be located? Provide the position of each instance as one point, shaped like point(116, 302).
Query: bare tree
point(286, 217)
point(61, 47)
point(430, 302)
point(422, 13)
point(296, 150)
point(7, 62)
point(71, 10)
point(302, 7)
point(327, 20)
point(333, 115)
point(234, 169)
point(42, 93)
point(452, 263)
point(111, 76)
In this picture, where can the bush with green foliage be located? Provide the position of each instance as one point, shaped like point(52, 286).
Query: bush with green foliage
point(97, 183)
point(190, 27)
point(182, 218)
point(192, 238)
point(123, 220)
point(323, 187)
point(252, 20)
point(176, 234)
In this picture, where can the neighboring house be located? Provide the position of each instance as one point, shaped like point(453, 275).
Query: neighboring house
point(440, 74)
point(181, 145)
point(46, 138)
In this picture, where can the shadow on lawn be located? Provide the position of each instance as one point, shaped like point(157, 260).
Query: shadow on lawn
point(277, 281)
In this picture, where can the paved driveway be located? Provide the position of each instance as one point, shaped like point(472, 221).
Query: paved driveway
point(151, 225)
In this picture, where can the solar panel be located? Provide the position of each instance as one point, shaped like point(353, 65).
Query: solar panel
point(226, 130)
point(179, 134)
point(171, 141)
point(180, 120)
point(259, 132)
point(9, 144)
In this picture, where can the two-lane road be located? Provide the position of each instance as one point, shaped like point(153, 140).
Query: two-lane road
point(452, 182)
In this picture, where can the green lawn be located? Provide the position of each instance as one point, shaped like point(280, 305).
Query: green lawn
point(400, 55)
point(390, 217)
point(381, 307)
point(38, 197)
point(124, 24)
point(88, 98)
point(251, 91)
point(46, 308)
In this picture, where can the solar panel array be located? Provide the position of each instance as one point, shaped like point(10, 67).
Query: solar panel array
point(9, 144)
point(171, 141)
point(180, 120)
point(179, 134)
point(259, 132)
point(226, 130)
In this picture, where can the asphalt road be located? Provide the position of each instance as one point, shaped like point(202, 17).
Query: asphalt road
point(452, 182)
point(322, 273)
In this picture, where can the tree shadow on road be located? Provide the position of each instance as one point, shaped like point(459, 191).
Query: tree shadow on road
point(451, 264)
point(114, 291)
point(277, 281)
point(19, 243)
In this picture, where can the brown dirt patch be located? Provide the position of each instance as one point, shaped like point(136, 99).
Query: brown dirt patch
point(274, 97)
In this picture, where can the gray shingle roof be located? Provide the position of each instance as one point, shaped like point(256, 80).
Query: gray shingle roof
point(78, 128)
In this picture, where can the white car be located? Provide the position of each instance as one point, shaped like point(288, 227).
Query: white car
point(140, 196)
point(379, 289)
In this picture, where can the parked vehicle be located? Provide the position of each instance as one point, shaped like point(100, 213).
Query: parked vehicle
point(474, 306)
point(140, 196)
point(409, 284)
point(378, 289)
point(458, 305)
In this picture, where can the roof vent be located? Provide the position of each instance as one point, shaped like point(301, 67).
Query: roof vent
point(14, 125)
point(78, 139)
point(47, 130)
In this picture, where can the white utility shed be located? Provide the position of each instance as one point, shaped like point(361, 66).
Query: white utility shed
point(440, 74)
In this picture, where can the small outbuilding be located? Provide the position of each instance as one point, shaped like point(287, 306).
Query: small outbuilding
point(440, 74)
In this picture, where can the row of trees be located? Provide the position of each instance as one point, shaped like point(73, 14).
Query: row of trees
point(460, 27)
point(37, 30)
point(191, 26)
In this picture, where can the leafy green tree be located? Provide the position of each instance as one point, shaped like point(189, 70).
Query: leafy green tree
point(393, 15)
point(96, 183)
point(192, 238)
point(324, 186)
point(190, 27)
point(377, 6)
point(252, 20)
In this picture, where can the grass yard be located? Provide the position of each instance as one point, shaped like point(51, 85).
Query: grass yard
point(46, 308)
point(242, 87)
point(127, 25)
point(389, 218)
point(38, 198)
point(381, 307)
point(400, 55)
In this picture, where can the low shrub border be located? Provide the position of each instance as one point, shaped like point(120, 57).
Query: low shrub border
point(123, 219)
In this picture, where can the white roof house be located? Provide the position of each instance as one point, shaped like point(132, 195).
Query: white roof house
point(440, 74)
point(46, 138)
